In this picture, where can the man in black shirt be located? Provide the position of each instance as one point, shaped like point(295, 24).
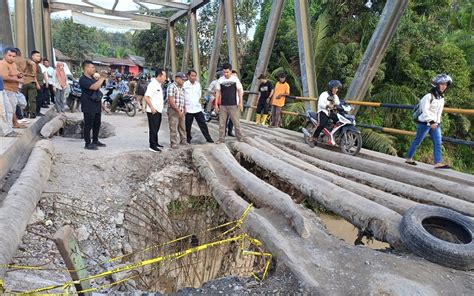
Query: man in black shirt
point(265, 92)
point(229, 95)
point(91, 106)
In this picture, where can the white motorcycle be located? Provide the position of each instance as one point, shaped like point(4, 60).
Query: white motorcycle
point(342, 133)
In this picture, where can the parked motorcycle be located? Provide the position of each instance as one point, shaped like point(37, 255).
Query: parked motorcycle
point(342, 133)
point(211, 114)
point(75, 93)
point(124, 104)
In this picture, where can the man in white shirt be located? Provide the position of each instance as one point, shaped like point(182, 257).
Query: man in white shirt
point(192, 98)
point(49, 93)
point(154, 97)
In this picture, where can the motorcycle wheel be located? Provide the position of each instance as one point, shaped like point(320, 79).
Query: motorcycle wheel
point(207, 116)
point(130, 109)
point(351, 143)
point(106, 104)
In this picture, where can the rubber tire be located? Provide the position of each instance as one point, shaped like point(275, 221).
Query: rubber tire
point(359, 140)
point(418, 240)
point(130, 109)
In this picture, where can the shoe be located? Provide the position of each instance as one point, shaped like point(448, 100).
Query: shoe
point(99, 144)
point(12, 135)
point(174, 146)
point(240, 140)
point(410, 162)
point(184, 143)
point(32, 115)
point(446, 166)
point(45, 106)
point(231, 134)
point(209, 141)
point(23, 120)
point(154, 149)
point(220, 142)
point(160, 146)
point(40, 114)
point(91, 147)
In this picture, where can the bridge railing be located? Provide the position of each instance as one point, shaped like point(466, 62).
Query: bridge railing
point(392, 106)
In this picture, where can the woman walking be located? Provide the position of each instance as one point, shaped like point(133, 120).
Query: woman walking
point(60, 85)
point(429, 121)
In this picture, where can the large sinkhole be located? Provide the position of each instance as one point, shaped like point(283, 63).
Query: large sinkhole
point(174, 203)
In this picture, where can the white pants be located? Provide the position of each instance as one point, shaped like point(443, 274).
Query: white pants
point(6, 114)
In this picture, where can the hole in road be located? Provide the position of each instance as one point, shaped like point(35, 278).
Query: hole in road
point(74, 129)
point(447, 230)
point(173, 203)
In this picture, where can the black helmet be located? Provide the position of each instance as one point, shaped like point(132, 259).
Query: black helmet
point(441, 79)
point(219, 74)
point(334, 84)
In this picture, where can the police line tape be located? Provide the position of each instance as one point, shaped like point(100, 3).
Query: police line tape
point(160, 259)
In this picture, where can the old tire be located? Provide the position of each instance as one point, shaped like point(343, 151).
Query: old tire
point(423, 226)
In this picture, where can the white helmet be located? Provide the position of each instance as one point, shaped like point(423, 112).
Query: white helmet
point(441, 79)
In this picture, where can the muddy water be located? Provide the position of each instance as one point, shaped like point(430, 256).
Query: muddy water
point(342, 229)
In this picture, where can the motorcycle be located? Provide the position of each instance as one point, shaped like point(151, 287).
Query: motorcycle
point(209, 115)
point(75, 93)
point(342, 133)
point(124, 104)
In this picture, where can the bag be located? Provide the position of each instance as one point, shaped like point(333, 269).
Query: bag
point(96, 96)
point(417, 111)
point(141, 89)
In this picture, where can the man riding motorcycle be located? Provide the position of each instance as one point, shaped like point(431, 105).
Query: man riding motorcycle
point(122, 90)
point(327, 103)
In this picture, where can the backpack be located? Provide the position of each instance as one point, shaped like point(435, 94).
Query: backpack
point(141, 89)
point(417, 111)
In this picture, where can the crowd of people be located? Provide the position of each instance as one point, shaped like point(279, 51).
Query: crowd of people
point(28, 84)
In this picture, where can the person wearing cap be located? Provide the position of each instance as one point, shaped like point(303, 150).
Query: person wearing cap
point(177, 110)
point(192, 95)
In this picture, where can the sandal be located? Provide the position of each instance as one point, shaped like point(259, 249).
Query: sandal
point(442, 167)
point(20, 126)
point(410, 162)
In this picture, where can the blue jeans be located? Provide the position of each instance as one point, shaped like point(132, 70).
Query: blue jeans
point(422, 129)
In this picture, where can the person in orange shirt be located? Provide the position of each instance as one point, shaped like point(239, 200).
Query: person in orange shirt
point(282, 89)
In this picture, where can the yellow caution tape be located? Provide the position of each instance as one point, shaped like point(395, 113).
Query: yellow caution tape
point(160, 259)
point(238, 223)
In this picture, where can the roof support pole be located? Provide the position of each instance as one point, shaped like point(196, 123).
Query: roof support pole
point(167, 51)
point(20, 26)
point(38, 22)
point(231, 34)
point(30, 34)
point(6, 34)
point(305, 47)
point(195, 42)
point(216, 47)
point(187, 47)
point(265, 51)
point(376, 49)
point(47, 33)
point(172, 44)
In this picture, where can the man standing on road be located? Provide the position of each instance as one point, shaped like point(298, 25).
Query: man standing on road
point(91, 104)
point(177, 110)
point(42, 78)
point(11, 78)
point(154, 98)
point(229, 95)
point(31, 87)
point(192, 95)
point(49, 92)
